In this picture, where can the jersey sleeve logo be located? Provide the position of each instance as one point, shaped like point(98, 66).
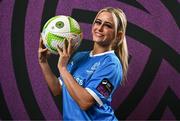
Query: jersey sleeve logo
point(105, 88)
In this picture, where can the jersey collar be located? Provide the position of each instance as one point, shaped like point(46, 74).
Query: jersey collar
point(100, 54)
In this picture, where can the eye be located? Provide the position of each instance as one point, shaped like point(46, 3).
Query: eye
point(97, 22)
point(59, 24)
point(108, 25)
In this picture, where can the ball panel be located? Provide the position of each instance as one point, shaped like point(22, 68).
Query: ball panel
point(74, 26)
point(60, 19)
point(53, 40)
point(47, 23)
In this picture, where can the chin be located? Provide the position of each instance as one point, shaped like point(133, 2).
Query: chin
point(97, 40)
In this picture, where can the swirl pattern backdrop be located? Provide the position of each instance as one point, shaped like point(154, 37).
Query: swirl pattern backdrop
point(152, 90)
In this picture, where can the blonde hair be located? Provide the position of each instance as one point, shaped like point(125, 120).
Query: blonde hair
point(120, 46)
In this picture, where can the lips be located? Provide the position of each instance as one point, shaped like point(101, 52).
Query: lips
point(99, 34)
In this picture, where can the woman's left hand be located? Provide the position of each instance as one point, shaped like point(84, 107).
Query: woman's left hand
point(65, 53)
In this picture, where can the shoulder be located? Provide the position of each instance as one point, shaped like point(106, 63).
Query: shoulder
point(111, 59)
point(112, 64)
point(109, 64)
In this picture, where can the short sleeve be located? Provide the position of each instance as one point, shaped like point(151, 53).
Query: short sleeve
point(104, 81)
point(60, 80)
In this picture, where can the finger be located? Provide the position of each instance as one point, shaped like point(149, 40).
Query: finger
point(70, 46)
point(75, 45)
point(41, 50)
point(76, 42)
point(48, 54)
point(41, 44)
point(65, 46)
point(41, 36)
point(60, 51)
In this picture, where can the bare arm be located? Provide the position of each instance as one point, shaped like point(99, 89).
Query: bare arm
point(78, 93)
point(50, 78)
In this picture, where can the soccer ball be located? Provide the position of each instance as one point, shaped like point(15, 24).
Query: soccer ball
point(59, 28)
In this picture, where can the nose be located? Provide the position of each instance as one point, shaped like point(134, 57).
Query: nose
point(100, 27)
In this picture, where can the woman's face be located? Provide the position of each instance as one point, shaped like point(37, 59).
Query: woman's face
point(103, 29)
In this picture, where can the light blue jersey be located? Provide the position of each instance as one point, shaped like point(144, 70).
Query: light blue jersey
point(100, 75)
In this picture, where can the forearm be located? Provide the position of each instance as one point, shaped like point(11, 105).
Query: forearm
point(51, 79)
point(78, 93)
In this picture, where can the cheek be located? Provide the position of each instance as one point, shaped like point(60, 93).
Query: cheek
point(111, 34)
point(92, 29)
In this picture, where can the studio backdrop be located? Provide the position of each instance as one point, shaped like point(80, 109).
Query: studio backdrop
point(152, 89)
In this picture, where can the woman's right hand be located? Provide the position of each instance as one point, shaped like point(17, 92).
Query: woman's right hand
point(43, 52)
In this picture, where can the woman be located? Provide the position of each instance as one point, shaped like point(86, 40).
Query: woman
point(89, 79)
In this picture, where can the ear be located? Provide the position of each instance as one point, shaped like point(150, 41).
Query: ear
point(119, 35)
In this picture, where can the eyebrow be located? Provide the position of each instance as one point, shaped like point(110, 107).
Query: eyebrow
point(105, 21)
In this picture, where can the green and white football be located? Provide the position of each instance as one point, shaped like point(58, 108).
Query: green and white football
point(59, 28)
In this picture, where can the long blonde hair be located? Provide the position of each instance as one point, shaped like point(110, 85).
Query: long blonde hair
point(120, 46)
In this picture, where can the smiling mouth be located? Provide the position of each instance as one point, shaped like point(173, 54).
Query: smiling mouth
point(98, 34)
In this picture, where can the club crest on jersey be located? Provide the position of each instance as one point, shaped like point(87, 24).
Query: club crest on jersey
point(93, 68)
point(105, 88)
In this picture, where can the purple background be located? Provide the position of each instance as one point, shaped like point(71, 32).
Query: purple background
point(158, 22)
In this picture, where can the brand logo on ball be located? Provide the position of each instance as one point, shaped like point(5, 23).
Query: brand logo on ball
point(59, 24)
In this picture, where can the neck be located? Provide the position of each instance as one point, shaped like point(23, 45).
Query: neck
point(99, 49)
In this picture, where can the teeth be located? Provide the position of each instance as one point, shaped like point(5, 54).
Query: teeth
point(99, 34)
